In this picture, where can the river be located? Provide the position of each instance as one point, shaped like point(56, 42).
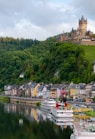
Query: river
point(18, 121)
point(31, 113)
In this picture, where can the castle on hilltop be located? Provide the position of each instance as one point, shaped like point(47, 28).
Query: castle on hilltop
point(79, 36)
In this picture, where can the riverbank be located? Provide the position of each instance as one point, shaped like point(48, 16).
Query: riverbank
point(5, 99)
point(25, 101)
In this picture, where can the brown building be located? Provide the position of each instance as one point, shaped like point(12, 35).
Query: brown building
point(82, 26)
point(80, 36)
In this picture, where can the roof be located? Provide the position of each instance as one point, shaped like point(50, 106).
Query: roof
point(40, 88)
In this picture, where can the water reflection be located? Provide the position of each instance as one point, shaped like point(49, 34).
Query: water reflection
point(25, 129)
point(31, 113)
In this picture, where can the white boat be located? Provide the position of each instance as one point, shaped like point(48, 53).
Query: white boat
point(62, 116)
point(47, 104)
point(83, 130)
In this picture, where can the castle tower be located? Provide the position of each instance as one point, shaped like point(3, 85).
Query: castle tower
point(83, 26)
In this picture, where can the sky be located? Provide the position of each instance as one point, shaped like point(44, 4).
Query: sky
point(40, 19)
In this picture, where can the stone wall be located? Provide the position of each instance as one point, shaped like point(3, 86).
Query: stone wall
point(87, 42)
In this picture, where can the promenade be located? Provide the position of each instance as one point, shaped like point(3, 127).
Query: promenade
point(24, 100)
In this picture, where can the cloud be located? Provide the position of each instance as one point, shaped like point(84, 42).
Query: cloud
point(39, 12)
point(35, 19)
point(85, 7)
point(42, 18)
point(25, 29)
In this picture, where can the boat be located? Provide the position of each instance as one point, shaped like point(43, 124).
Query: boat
point(62, 116)
point(47, 104)
point(44, 116)
point(83, 130)
point(58, 112)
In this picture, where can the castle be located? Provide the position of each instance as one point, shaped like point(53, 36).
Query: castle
point(79, 36)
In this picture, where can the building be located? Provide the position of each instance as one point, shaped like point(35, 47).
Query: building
point(80, 36)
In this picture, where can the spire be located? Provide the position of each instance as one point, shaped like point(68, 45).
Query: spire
point(82, 18)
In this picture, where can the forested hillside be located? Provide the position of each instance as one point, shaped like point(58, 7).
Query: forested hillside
point(42, 61)
point(20, 55)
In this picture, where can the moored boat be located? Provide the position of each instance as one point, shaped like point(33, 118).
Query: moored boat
point(47, 104)
point(62, 115)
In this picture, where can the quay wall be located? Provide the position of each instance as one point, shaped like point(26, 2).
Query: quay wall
point(87, 42)
point(27, 101)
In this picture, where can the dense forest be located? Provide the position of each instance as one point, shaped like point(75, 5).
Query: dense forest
point(43, 61)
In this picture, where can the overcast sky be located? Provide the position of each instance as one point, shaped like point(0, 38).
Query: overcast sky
point(40, 19)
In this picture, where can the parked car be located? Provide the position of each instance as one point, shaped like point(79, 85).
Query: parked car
point(93, 119)
point(88, 120)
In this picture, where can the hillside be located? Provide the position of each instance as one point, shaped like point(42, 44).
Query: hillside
point(44, 61)
point(89, 52)
point(20, 55)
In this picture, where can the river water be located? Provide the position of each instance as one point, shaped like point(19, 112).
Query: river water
point(18, 121)
point(31, 113)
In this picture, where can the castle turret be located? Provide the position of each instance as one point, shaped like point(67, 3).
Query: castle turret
point(83, 26)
